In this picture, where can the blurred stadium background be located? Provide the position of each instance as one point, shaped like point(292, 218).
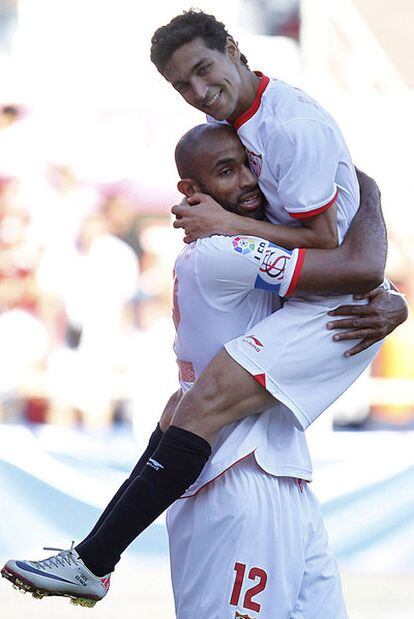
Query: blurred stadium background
point(87, 178)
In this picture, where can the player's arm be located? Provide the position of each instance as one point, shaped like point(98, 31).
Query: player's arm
point(201, 216)
point(230, 265)
point(304, 157)
point(318, 231)
point(356, 266)
point(244, 263)
point(358, 262)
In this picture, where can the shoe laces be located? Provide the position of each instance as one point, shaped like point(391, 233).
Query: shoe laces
point(64, 558)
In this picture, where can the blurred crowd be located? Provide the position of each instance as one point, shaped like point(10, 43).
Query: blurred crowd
point(82, 273)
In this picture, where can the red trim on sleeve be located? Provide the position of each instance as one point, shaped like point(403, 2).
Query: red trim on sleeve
point(251, 111)
point(321, 209)
point(296, 272)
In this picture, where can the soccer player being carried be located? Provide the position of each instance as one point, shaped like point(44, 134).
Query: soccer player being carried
point(306, 174)
point(252, 475)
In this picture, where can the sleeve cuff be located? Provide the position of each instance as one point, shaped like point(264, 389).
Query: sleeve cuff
point(296, 272)
point(316, 211)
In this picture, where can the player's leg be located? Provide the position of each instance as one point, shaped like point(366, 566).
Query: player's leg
point(65, 573)
point(53, 575)
point(151, 447)
point(225, 392)
point(277, 344)
point(291, 354)
point(320, 593)
point(237, 546)
point(300, 364)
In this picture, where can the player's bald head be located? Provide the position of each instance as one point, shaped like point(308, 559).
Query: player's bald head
point(211, 160)
point(200, 145)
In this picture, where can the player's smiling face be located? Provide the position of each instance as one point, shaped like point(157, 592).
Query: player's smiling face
point(207, 79)
point(224, 174)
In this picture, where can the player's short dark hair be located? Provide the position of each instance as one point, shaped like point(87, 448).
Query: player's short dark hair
point(184, 28)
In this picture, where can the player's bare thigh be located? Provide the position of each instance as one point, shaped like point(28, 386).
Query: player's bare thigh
point(225, 392)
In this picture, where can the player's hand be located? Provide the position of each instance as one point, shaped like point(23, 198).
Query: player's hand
point(369, 323)
point(182, 203)
point(200, 216)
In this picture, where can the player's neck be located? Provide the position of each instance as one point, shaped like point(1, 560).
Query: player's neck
point(250, 83)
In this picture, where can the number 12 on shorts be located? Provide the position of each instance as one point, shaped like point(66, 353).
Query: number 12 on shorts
point(255, 574)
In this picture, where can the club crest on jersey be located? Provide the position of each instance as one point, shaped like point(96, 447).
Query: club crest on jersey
point(272, 270)
point(255, 162)
point(274, 264)
point(244, 244)
point(238, 615)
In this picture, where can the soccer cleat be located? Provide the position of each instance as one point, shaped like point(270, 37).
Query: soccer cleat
point(64, 574)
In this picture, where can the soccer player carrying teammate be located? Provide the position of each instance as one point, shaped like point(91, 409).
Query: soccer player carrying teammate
point(218, 295)
point(289, 357)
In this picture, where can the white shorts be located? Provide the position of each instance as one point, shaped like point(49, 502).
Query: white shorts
point(292, 354)
point(252, 545)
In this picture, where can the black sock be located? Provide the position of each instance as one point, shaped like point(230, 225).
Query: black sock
point(155, 438)
point(174, 466)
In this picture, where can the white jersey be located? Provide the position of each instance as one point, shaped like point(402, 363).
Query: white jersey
point(218, 295)
point(301, 161)
point(299, 156)
point(303, 166)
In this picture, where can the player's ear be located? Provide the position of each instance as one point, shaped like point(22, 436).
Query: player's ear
point(232, 48)
point(187, 187)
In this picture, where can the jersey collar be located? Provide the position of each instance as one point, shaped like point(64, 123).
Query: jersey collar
point(251, 111)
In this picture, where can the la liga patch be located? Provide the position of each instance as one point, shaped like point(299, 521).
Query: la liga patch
point(244, 244)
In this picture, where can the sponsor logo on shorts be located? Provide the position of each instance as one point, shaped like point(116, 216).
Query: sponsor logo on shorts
point(255, 162)
point(254, 342)
point(244, 244)
point(238, 615)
